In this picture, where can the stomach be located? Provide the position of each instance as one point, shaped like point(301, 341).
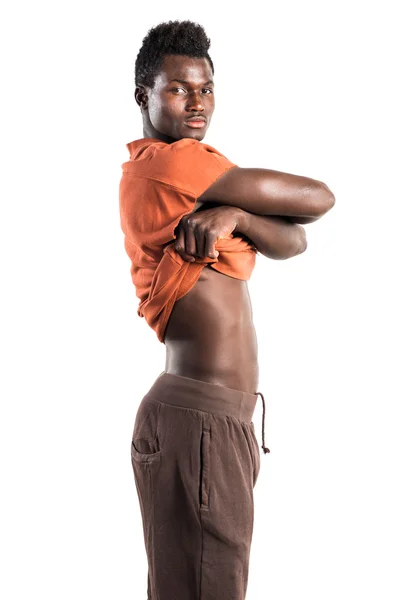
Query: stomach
point(210, 334)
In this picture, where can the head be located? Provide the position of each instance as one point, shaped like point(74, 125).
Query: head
point(174, 81)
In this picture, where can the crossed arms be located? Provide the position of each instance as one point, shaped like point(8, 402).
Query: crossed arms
point(266, 206)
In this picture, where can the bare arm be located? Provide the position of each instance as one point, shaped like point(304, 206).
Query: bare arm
point(268, 192)
point(274, 236)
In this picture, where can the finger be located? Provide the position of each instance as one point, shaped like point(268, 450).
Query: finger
point(209, 248)
point(180, 245)
point(200, 235)
point(180, 240)
point(190, 239)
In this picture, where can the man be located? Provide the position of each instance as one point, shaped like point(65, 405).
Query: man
point(193, 224)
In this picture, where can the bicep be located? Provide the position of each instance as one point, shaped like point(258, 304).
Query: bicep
point(266, 192)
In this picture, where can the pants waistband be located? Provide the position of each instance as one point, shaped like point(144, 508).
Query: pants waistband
point(210, 397)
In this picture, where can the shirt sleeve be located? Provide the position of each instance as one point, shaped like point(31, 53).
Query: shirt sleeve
point(162, 185)
point(188, 165)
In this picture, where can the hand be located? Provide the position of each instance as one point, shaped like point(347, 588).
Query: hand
point(198, 232)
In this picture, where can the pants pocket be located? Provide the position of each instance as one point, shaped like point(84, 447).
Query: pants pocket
point(205, 468)
point(145, 446)
point(147, 457)
point(252, 444)
point(257, 455)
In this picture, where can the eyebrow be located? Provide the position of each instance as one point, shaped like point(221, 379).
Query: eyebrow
point(188, 82)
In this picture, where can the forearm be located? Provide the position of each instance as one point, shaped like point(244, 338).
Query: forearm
point(271, 193)
point(273, 236)
point(302, 220)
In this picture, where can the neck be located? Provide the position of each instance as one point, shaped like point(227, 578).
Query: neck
point(150, 132)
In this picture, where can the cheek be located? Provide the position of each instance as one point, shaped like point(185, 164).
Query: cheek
point(155, 114)
point(160, 114)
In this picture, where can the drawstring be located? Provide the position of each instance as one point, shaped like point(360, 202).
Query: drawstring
point(263, 421)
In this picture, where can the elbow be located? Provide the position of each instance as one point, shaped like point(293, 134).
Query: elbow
point(301, 241)
point(301, 248)
point(298, 245)
point(322, 199)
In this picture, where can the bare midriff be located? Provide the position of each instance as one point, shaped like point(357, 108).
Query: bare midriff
point(210, 334)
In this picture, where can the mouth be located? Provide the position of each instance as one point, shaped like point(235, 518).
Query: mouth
point(196, 122)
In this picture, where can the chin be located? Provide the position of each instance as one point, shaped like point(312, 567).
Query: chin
point(196, 135)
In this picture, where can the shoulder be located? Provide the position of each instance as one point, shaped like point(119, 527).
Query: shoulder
point(146, 148)
point(187, 164)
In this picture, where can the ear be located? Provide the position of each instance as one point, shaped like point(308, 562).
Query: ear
point(141, 96)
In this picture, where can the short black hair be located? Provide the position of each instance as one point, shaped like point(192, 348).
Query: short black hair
point(173, 37)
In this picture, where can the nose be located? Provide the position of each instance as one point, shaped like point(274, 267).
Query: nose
point(194, 102)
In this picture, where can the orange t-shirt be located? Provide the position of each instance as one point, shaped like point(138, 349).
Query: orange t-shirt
point(160, 184)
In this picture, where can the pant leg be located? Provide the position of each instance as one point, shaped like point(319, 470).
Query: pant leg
point(146, 457)
point(227, 513)
point(167, 480)
point(194, 473)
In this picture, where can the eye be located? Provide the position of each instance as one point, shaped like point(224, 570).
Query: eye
point(209, 90)
point(176, 89)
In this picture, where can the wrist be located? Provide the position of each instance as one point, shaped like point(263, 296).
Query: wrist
point(242, 220)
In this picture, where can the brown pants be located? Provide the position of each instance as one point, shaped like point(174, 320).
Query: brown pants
point(196, 461)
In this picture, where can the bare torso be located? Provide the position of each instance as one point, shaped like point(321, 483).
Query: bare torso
point(210, 334)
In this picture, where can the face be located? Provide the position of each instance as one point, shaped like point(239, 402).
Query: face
point(183, 90)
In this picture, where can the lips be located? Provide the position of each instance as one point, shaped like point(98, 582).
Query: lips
point(196, 122)
point(195, 119)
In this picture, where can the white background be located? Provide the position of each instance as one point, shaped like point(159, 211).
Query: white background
point(302, 87)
